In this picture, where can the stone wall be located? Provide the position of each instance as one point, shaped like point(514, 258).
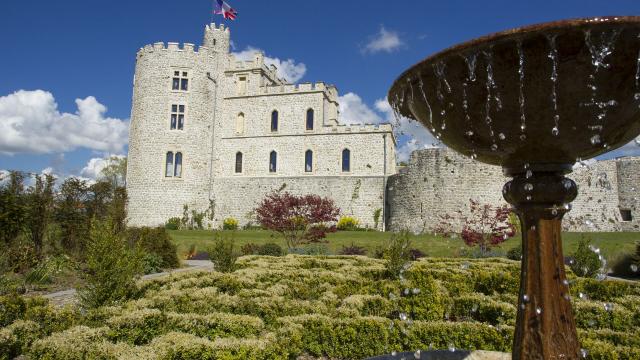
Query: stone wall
point(355, 196)
point(439, 181)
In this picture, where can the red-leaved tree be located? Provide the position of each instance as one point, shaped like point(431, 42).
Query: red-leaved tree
point(485, 225)
point(299, 219)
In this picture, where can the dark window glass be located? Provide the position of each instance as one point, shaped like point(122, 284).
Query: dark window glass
point(181, 107)
point(176, 73)
point(273, 158)
point(346, 160)
point(310, 119)
point(176, 84)
point(184, 84)
point(274, 120)
point(626, 215)
point(308, 161)
point(174, 108)
point(238, 162)
point(184, 74)
point(169, 164)
point(178, 169)
point(173, 121)
point(180, 122)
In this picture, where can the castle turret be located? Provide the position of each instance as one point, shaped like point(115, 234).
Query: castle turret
point(217, 38)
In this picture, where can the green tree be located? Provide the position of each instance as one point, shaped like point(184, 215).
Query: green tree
point(39, 210)
point(12, 209)
point(115, 172)
point(112, 267)
point(71, 214)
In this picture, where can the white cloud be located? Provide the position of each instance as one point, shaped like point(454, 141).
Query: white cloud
point(31, 123)
point(95, 166)
point(287, 69)
point(354, 111)
point(410, 134)
point(385, 40)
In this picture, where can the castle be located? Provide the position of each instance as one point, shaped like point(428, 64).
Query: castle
point(211, 132)
point(205, 126)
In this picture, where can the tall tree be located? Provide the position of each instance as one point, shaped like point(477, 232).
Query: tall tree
point(71, 214)
point(39, 210)
point(12, 209)
point(116, 171)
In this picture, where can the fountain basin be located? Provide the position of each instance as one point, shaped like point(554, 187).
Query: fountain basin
point(545, 95)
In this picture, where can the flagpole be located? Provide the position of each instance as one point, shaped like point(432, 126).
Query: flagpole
point(212, 7)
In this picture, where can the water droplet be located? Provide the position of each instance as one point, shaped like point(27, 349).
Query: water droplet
point(406, 292)
point(583, 296)
point(452, 347)
point(555, 131)
point(394, 353)
point(528, 197)
point(501, 136)
point(417, 354)
point(595, 139)
point(634, 267)
point(565, 282)
point(601, 276)
point(469, 133)
point(528, 174)
point(474, 308)
point(528, 187)
point(392, 296)
point(608, 306)
point(403, 316)
point(525, 298)
point(416, 291)
point(465, 265)
point(584, 353)
point(538, 311)
point(494, 147)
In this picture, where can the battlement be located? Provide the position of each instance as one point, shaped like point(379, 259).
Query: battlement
point(213, 27)
point(172, 46)
point(355, 128)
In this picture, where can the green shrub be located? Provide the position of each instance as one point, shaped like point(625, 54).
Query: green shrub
point(12, 308)
point(397, 254)
point(173, 223)
point(223, 255)
point(215, 325)
point(626, 265)
point(515, 253)
point(155, 241)
point(250, 249)
point(348, 223)
point(137, 327)
point(230, 224)
point(270, 249)
point(16, 338)
point(586, 262)
point(151, 263)
point(111, 268)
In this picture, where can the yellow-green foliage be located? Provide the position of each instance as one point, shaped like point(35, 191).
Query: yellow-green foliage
point(341, 307)
point(230, 224)
point(348, 223)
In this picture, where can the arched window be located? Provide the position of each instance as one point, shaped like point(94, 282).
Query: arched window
point(274, 120)
point(169, 165)
point(346, 160)
point(178, 169)
point(273, 161)
point(310, 119)
point(308, 161)
point(240, 123)
point(238, 162)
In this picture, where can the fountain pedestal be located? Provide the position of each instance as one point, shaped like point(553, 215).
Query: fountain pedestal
point(545, 328)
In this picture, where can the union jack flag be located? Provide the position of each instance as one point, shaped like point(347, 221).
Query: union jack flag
point(222, 8)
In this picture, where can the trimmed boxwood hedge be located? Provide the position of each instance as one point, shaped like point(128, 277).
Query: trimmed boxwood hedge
point(340, 307)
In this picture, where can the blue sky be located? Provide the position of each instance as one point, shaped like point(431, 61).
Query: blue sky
point(81, 49)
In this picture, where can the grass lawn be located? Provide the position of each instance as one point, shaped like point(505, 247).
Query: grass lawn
point(611, 244)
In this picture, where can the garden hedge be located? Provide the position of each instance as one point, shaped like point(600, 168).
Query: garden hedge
point(340, 307)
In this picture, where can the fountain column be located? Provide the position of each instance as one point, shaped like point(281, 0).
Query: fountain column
point(545, 327)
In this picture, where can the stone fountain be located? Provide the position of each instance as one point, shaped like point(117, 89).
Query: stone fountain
point(534, 100)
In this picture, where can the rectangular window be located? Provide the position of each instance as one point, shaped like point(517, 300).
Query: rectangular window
point(177, 117)
point(626, 215)
point(180, 81)
point(242, 85)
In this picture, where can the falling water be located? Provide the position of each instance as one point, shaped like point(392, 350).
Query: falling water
point(491, 85)
point(600, 47)
point(471, 65)
point(637, 94)
point(424, 96)
point(553, 55)
point(438, 69)
point(523, 122)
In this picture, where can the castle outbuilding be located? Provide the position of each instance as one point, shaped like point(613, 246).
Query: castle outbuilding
point(211, 131)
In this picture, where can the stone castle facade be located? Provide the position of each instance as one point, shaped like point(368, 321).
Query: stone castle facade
point(205, 126)
point(210, 131)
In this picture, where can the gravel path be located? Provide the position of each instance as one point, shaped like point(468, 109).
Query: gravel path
point(61, 298)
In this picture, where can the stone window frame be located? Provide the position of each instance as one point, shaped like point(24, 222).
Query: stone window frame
point(172, 177)
point(244, 76)
point(348, 171)
point(270, 122)
point(626, 214)
point(235, 163)
point(244, 123)
point(275, 171)
point(314, 164)
point(189, 77)
point(185, 113)
point(306, 120)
